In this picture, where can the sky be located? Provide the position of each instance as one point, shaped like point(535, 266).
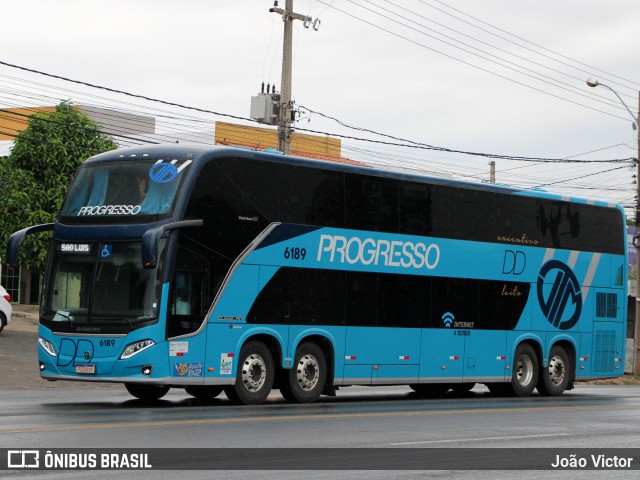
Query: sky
point(497, 77)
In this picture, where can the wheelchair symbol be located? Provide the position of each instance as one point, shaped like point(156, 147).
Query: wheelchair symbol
point(106, 251)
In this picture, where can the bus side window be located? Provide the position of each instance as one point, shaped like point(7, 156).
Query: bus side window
point(189, 299)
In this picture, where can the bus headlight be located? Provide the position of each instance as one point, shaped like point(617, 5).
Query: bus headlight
point(135, 348)
point(48, 346)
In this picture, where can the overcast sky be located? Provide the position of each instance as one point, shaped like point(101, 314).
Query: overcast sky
point(386, 71)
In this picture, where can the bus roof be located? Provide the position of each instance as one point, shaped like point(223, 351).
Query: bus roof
point(199, 152)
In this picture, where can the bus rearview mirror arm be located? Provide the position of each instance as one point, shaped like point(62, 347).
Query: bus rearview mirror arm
point(16, 239)
point(151, 239)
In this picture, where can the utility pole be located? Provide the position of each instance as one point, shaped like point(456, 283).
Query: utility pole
point(284, 112)
point(636, 337)
point(636, 238)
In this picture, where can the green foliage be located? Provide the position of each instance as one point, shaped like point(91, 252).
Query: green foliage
point(35, 176)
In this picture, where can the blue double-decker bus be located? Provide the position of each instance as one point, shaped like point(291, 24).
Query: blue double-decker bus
point(221, 269)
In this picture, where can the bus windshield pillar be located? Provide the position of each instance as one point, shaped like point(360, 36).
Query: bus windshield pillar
point(151, 238)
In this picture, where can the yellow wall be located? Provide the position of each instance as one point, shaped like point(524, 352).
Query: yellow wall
point(263, 138)
point(13, 120)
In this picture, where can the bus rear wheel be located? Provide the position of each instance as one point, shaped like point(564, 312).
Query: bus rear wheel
point(306, 380)
point(146, 392)
point(254, 377)
point(204, 393)
point(554, 379)
point(524, 375)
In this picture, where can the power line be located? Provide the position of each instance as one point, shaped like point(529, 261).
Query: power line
point(527, 41)
point(379, 158)
point(409, 143)
point(578, 177)
point(450, 150)
point(415, 42)
point(535, 74)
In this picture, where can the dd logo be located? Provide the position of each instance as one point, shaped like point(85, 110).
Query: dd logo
point(72, 350)
point(559, 295)
point(514, 262)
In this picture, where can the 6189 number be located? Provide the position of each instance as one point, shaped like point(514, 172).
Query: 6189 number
point(295, 253)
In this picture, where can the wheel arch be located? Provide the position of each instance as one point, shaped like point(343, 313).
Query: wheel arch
point(270, 339)
point(534, 342)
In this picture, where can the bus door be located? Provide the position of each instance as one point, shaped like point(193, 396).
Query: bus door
point(188, 305)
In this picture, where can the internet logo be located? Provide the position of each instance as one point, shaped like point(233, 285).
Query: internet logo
point(448, 319)
point(559, 295)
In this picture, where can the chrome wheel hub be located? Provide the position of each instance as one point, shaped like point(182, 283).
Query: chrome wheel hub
point(557, 370)
point(307, 372)
point(524, 370)
point(254, 373)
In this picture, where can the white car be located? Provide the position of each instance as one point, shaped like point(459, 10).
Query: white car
point(5, 308)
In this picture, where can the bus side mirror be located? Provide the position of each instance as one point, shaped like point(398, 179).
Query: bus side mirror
point(16, 239)
point(151, 239)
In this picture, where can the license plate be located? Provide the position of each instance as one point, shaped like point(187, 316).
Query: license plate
point(86, 368)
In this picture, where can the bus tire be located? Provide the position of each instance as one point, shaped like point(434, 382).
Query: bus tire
point(254, 376)
point(554, 379)
point(307, 378)
point(204, 393)
point(524, 375)
point(147, 392)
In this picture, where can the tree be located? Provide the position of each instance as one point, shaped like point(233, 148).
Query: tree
point(36, 174)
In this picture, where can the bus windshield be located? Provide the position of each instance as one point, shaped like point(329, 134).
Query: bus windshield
point(135, 188)
point(99, 284)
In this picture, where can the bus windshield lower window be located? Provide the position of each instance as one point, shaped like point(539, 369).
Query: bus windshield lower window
point(99, 285)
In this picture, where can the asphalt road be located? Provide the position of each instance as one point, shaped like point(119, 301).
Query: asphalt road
point(372, 418)
point(39, 414)
point(19, 355)
point(589, 416)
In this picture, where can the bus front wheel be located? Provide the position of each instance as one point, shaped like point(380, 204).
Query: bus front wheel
point(305, 382)
point(554, 379)
point(254, 377)
point(146, 392)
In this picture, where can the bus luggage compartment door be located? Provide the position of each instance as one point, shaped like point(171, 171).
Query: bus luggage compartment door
point(383, 357)
point(442, 356)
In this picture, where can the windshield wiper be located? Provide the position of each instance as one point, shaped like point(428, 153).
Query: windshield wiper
point(66, 317)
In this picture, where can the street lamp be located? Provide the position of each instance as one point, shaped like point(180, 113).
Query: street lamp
point(595, 83)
